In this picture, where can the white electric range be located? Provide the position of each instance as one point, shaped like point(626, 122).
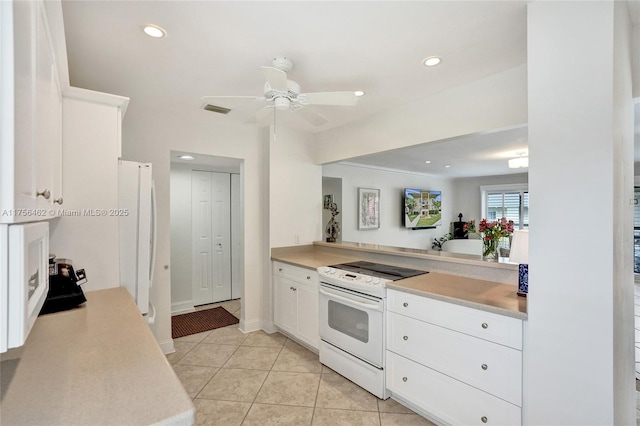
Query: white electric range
point(353, 321)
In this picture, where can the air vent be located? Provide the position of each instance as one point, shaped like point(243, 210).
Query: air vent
point(216, 108)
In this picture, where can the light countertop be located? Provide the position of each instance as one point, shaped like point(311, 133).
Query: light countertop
point(95, 365)
point(475, 293)
point(479, 294)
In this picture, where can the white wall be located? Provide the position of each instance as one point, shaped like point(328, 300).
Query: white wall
point(391, 184)
point(181, 242)
point(293, 203)
point(90, 181)
point(149, 135)
point(466, 193)
point(579, 362)
point(295, 184)
point(496, 102)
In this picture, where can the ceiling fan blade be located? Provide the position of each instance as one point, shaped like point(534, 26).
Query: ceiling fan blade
point(230, 102)
point(260, 115)
point(276, 78)
point(312, 117)
point(328, 98)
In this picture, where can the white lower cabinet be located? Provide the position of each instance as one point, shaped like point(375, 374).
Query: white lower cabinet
point(444, 368)
point(449, 400)
point(296, 302)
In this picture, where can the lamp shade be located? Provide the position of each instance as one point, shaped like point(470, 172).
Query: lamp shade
point(519, 251)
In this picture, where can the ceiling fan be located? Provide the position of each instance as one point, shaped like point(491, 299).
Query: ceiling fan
point(283, 94)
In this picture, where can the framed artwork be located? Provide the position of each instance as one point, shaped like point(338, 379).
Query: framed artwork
point(328, 199)
point(368, 208)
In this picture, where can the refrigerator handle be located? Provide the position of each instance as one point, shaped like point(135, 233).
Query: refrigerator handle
point(154, 233)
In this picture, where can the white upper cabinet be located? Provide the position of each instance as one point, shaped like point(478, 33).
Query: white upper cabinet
point(31, 115)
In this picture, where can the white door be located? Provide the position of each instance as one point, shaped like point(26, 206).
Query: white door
point(237, 263)
point(221, 231)
point(210, 198)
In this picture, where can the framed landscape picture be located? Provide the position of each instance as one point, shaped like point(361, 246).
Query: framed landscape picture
point(368, 208)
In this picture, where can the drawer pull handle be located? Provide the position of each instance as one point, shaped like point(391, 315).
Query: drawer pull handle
point(405, 338)
point(484, 419)
point(405, 304)
point(279, 269)
point(404, 379)
point(308, 277)
point(485, 366)
point(46, 194)
point(485, 325)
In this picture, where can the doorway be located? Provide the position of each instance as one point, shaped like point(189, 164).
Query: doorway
point(206, 233)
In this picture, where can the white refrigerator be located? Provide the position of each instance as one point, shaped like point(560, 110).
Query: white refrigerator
point(137, 227)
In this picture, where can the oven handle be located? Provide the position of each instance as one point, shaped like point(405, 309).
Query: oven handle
point(370, 306)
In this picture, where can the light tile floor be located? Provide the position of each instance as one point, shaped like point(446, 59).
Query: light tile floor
point(272, 380)
point(268, 379)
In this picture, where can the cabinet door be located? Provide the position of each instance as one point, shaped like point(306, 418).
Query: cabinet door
point(307, 314)
point(18, 190)
point(48, 116)
point(284, 315)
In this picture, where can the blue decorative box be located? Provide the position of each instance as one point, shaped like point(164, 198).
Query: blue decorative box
point(523, 279)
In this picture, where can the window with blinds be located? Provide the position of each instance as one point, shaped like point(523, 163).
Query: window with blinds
point(514, 205)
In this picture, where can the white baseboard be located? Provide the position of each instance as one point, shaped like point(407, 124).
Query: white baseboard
point(167, 347)
point(182, 307)
point(249, 326)
point(269, 327)
point(255, 325)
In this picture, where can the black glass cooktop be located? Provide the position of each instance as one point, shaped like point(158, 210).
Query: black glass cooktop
point(379, 270)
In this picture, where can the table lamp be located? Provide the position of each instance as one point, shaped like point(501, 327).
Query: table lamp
point(519, 253)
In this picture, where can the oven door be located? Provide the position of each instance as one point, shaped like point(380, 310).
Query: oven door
point(353, 322)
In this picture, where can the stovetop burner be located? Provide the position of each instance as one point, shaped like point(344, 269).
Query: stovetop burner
point(379, 270)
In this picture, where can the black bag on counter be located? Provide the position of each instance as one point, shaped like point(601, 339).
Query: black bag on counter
point(64, 289)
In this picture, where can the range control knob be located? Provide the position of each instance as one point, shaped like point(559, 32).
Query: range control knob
point(369, 279)
point(376, 281)
point(332, 271)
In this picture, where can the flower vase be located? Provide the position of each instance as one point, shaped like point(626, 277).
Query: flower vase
point(490, 250)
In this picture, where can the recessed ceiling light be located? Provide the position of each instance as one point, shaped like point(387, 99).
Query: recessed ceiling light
point(359, 93)
point(431, 61)
point(428, 162)
point(447, 166)
point(154, 31)
point(186, 157)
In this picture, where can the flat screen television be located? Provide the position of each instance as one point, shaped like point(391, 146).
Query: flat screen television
point(422, 208)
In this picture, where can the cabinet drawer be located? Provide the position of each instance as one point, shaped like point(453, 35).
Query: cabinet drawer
point(485, 325)
point(295, 273)
point(488, 366)
point(450, 400)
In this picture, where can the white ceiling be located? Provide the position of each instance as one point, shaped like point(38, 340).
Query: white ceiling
point(217, 47)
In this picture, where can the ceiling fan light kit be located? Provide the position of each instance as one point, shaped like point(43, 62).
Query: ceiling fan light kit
point(284, 94)
point(519, 162)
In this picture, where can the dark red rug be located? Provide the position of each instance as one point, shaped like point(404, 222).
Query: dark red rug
point(199, 321)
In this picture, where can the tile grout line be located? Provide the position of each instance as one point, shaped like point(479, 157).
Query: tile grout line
point(315, 402)
point(265, 379)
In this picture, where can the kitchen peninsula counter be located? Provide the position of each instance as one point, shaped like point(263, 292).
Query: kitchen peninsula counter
point(95, 365)
point(466, 280)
